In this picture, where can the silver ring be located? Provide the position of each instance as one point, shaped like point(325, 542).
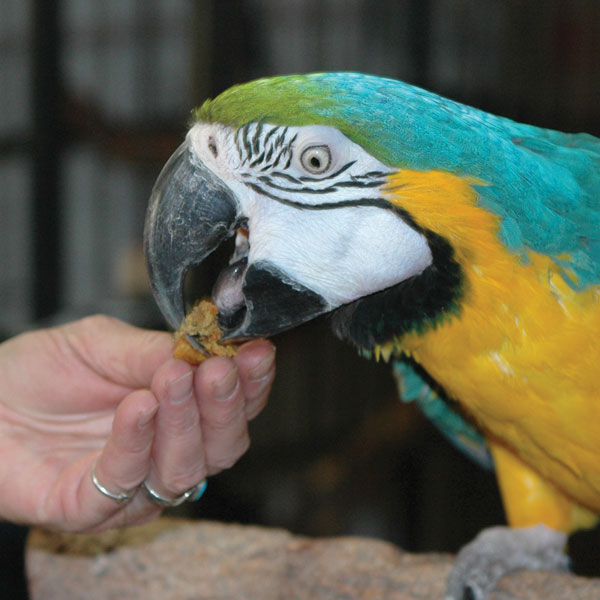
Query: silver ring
point(120, 498)
point(191, 495)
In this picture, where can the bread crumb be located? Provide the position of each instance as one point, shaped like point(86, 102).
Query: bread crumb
point(201, 322)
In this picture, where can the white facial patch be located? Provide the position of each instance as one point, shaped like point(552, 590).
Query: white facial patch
point(314, 208)
point(342, 254)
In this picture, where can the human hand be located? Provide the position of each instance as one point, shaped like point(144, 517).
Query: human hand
point(101, 392)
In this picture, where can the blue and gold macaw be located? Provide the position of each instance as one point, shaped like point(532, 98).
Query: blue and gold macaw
point(462, 246)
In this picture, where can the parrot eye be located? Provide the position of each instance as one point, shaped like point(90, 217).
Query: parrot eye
point(316, 159)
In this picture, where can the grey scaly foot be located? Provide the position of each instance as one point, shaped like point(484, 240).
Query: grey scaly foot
point(497, 551)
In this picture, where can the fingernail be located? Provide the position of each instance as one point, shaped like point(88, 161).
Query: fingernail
point(225, 388)
point(262, 369)
point(180, 389)
point(146, 416)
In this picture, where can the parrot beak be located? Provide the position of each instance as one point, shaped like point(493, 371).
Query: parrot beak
point(190, 213)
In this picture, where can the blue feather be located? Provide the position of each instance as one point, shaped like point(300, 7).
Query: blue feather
point(450, 423)
point(543, 184)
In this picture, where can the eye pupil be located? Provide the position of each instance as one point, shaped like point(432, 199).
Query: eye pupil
point(213, 147)
point(316, 159)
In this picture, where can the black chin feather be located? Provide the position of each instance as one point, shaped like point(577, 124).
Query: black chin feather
point(413, 305)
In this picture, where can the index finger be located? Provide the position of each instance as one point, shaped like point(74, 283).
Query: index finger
point(120, 352)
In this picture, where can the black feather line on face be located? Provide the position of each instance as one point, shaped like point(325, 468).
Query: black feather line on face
point(277, 158)
point(257, 160)
point(356, 202)
point(246, 141)
point(256, 139)
point(282, 176)
point(268, 156)
point(307, 179)
point(265, 179)
point(289, 160)
point(413, 305)
point(281, 138)
point(270, 133)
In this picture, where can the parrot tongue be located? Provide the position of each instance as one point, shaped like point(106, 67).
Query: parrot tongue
point(228, 294)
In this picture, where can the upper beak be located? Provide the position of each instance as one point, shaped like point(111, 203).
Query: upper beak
point(191, 212)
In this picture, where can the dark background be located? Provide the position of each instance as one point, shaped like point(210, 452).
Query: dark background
point(94, 96)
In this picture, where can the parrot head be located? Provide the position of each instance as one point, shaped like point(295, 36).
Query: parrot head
point(297, 169)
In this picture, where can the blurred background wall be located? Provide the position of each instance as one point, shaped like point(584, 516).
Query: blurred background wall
point(94, 96)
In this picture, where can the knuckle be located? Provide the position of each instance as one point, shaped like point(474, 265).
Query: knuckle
point(256, 404)
point(154, 338)
point(223, 420)
point(98, 323)
point(261, 392)
point(179, 483)
point(182, 425)
point(132, 446)
point(226, 461)
point(244, 446)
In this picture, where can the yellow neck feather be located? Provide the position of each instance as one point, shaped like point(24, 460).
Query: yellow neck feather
point(524, 345)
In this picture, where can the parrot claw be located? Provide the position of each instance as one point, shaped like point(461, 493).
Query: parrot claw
point(498, 550)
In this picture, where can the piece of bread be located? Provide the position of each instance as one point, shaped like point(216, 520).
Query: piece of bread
point(201, 322)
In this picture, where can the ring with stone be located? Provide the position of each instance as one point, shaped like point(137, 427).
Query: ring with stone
point(191, 495)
